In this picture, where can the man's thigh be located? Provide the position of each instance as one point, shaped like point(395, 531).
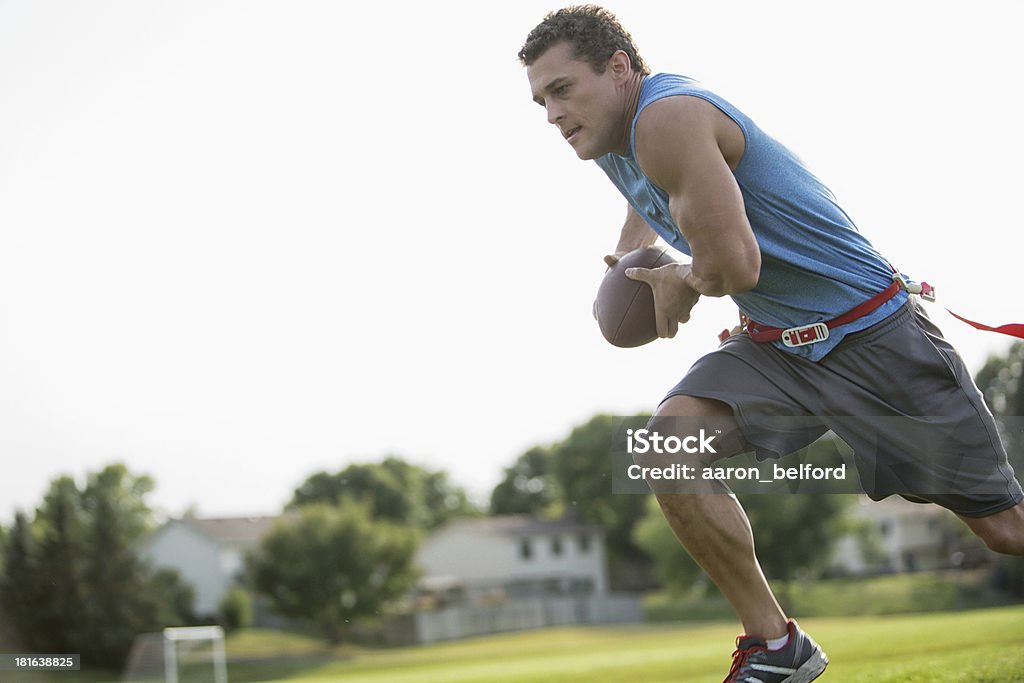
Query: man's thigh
point(682, 415)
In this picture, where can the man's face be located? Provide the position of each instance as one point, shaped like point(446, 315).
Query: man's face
point(584, 105)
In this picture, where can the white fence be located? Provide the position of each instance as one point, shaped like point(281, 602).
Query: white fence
point(462, 621)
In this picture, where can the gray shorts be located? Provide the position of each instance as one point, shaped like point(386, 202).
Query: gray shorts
point(897, 393)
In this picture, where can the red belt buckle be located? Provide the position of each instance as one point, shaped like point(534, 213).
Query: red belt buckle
point(807, 334)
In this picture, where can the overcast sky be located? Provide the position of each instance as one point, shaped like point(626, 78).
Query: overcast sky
point(241, 242)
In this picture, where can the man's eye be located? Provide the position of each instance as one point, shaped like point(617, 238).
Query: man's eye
point(561, 90)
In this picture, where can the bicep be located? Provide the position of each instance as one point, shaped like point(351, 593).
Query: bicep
point(679, 147)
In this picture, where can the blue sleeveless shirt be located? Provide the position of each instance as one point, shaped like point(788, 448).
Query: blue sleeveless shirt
point(815, 264)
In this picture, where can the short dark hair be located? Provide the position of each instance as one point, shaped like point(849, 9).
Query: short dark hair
point(593, 32)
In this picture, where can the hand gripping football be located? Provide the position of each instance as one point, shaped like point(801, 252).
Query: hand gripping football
point(625, 307)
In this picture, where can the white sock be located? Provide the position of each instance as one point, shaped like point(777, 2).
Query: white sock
point(777, 643)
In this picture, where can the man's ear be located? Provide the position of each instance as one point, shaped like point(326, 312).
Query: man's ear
point(619, 63)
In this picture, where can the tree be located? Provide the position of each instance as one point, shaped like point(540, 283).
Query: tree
point(581, 467)
point(60, 523)
point(124, 592)
point(21, 587)
point(235, 609)
point(392, 490)
point(1001, 381)
point(333, 564)
point(573, 477)
point(675, 568)
point(442, 499)
point(71, 581)
point(528, 487)
point(794, 533)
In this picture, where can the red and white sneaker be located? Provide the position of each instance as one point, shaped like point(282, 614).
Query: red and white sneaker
point(800, 661)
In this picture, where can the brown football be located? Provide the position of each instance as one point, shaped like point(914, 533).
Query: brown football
point(625, 307)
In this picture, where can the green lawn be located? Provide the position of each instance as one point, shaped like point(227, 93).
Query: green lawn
point(979, 646)
point(874, 596)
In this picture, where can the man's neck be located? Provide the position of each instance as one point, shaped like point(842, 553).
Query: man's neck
point(630, 100)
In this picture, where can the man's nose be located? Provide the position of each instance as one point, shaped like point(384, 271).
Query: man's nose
point(555, 113)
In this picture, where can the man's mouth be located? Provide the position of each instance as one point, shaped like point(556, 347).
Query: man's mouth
point(571, 132)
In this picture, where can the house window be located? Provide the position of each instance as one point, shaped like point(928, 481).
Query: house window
point(556, 545)
point(584, 542)
point(525, 549)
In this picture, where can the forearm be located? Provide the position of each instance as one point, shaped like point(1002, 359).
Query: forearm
point(635, 233)
point(718, 282)
point(726, 256)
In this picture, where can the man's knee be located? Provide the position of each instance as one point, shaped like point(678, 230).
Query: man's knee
point(704, 430)
point(682, 405)
point(1005, 543)
point(1002, 539)
point(1002, 532)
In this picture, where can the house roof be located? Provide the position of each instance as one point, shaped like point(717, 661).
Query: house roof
point(240, 531)
point(519, 525)
point(248, 531)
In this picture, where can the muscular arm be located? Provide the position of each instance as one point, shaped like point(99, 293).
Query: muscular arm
point(635, 233)
point(682, 144)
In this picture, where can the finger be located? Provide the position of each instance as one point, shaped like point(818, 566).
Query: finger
point(673, 327)
point(640, 274)
point(662, 324)
point(610, 260)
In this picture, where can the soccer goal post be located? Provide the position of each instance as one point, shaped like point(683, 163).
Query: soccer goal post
point(194, 635)
point(162, 657)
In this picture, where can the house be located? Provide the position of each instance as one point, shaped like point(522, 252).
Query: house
point(911, 537)
point(516, 554)
point(480, 575)
point(514, 572)
point(208, 553)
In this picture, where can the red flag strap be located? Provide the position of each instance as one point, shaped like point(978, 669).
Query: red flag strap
point(1012, 329)
point(808, 334)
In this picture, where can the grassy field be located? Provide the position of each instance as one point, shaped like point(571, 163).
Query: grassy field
point(975, 646)
point(979, 646)
point(874, 596)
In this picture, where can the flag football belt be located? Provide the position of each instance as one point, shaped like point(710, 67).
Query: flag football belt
point(816, 332)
